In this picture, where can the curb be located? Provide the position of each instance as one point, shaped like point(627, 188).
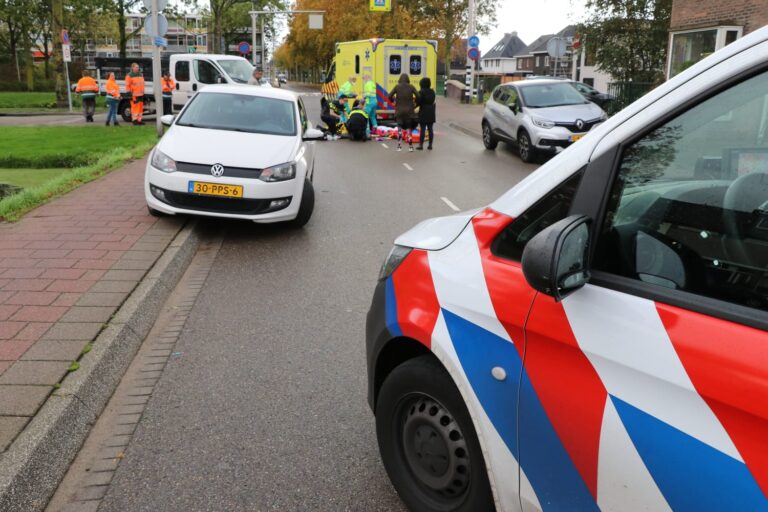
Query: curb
point(466, 131)
point(32, 468)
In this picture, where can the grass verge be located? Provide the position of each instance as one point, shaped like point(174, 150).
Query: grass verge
point(26, 178)
point(14, 207)
point(38, 100)
point(65, 146)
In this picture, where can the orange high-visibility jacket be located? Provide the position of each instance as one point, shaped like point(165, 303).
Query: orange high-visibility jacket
point(113, 90)
point(168, 85)
point(134, 84)
point(87, 87)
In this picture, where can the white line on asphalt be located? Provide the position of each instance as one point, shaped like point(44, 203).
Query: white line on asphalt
point(450, 204)
point(385, 146)
point(408, 167)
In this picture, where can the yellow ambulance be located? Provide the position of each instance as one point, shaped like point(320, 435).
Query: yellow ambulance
point(385, 60)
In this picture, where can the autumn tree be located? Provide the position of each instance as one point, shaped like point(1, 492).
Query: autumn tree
point(628, 37)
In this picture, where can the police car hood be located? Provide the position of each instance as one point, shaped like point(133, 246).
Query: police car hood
point(228, 148)
point(437, 233)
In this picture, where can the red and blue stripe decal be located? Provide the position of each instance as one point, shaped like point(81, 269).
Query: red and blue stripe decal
point(411, 301)
point(382, 96)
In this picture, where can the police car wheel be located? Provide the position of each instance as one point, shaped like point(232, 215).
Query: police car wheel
point(427, 441)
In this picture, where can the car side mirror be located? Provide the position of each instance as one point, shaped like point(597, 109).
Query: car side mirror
point(220, 80)
point(555, 260)
point(167, 120)
point(313, 134)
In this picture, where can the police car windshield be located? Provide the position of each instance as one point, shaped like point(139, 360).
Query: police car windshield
point(240, 112)
point(551, 95)
point(238, 70)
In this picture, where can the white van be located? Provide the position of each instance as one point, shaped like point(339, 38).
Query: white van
point(191, 71)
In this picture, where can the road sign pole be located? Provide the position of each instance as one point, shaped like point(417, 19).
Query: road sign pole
point(156, 72)
point(253, 39)
point(470, 65)
point(69, 87)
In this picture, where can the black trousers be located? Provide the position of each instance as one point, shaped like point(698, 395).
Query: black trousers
point(423, 128)
point(167, 105)
point(332, 123)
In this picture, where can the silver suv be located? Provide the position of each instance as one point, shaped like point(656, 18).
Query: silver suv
point(538, 115)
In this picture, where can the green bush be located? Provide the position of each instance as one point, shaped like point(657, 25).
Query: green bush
point(39, 100)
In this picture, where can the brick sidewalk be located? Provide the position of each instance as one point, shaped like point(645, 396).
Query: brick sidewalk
point(65, 268)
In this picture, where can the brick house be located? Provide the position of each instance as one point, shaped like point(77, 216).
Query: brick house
point(701, 27)
point(500, 59)
point(536, 60)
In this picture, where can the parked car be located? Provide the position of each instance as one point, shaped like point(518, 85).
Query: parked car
point(601, 99)
point(235, 151)
point(597, 337)
point(539, 116)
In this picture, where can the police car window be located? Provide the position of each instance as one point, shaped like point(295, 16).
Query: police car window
point(395, 64)
point(205, 72)
point(414, 66)
point(550, 209)
point(182, 71)
point(689, 209)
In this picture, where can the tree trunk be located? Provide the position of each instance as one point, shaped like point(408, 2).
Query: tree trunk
point(57, 9)
point(122, 38)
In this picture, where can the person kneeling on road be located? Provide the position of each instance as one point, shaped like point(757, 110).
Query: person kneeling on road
point(357, 124)
point(333, 114)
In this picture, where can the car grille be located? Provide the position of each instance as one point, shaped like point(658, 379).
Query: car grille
point(220, 204)
point(572, 126)
point(232, 172)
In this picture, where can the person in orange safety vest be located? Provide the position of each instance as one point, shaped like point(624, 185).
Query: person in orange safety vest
point(88, 89)
point(134, 85)
point(113, 99)
point(168, 86)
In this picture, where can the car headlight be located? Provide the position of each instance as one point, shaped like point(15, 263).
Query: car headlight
point(394, 259)
point(542, 123)
point(163, 162)
point(280, 172)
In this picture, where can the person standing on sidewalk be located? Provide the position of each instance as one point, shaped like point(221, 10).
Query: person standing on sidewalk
point(427, 108)
point(134, 85)
point(168, 85)
point(113, 99)
point(371, 103)
point(404, 98)
point(88, 89)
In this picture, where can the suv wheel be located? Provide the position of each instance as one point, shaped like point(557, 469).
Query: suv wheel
point(488, 139)
point(525, 147)
point(428, 443)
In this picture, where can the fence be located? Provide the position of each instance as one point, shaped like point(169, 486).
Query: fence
point(625, 93)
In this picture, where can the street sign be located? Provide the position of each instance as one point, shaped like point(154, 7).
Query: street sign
point(244, 48)
point(66, 53)
point(473, 53)
point(151, 30)
point(160, 41)
point(380, 5)
point(64, 37)
point(160, 5)
point(474, 42)
point(316, 22)
point(556, 47)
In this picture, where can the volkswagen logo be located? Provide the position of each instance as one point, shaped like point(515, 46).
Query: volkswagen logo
point(579, 126)
point(217, 170)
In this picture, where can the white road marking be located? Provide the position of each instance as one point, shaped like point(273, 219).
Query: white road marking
point(450, 204)
point(408, 167)
point(385, 146)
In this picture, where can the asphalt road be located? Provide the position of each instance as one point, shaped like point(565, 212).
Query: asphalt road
point(264, 408)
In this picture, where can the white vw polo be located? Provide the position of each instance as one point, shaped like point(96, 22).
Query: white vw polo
point(235, 151)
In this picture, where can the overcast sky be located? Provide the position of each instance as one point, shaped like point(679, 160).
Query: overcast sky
point(532, 18)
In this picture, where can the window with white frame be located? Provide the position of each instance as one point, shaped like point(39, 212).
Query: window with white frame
point(690, 46)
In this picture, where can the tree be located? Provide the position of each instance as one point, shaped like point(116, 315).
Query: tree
point(628, 37)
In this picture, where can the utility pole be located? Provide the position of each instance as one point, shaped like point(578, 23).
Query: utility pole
point(470, 79)
point(157, 71)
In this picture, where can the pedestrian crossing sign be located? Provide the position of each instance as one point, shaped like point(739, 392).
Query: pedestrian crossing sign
point(381, 5)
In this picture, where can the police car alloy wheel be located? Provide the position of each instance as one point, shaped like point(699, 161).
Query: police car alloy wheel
point(428, 443)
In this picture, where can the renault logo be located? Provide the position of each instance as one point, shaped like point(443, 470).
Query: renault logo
point(217, 170)
point(579, 124)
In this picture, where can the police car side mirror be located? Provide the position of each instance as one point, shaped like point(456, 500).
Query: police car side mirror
point(555, 260)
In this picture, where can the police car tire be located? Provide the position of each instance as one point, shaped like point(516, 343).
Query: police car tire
point(306, 207)
point(413, 383)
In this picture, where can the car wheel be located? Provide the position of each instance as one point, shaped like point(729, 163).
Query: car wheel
point(525, 147)
point(155, 213)
point(428, 443)
point(488, 139)
point(306, 207)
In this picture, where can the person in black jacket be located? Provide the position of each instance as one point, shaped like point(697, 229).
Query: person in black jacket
point(426, 101)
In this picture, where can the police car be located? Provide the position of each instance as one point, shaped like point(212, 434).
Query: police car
point(596, 338)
